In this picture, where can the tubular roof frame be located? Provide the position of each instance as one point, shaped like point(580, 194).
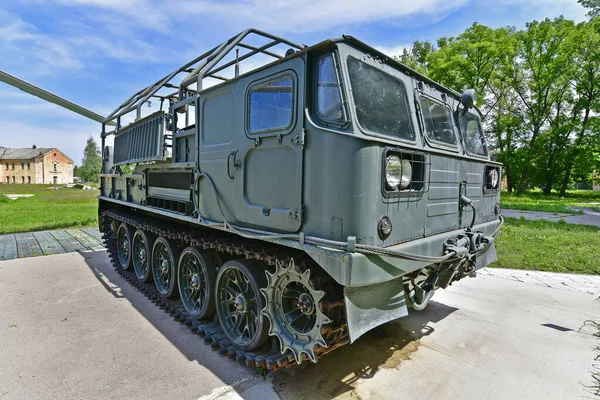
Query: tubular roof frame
point(203, 66)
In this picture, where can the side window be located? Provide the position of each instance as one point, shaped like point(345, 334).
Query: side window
point(438, 121)
point(380, 100)
point(215, 128)
point(472, 134)
point(271, 105)
point(329, 98)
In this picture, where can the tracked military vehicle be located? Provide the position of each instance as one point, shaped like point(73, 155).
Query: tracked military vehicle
point(286, 211)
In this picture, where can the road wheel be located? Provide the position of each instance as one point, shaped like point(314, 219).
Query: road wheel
point(142, 248)
point(164, 266)
point(124, 235)
point(196, 277)
point(239, 303)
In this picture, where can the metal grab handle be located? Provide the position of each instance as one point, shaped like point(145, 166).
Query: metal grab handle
point(236, 163)
point(228, 163)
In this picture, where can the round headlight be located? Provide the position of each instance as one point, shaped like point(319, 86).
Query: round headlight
point(493, 178)
point(393, 171)
point(406, 174)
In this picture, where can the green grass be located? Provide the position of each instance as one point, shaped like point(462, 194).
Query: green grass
point(48, 209)
point(538, 201)
point(548, 246)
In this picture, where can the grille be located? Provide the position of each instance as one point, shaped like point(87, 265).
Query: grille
point(142, 141)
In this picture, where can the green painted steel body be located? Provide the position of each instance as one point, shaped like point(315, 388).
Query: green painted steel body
point(301, 168)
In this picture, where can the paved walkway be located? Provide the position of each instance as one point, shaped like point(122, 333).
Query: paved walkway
point(579, 283)
point(79, 331)
point(589, 218)
point(31, 244)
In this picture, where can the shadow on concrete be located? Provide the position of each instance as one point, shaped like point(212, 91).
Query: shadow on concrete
point(383, 347)
point(189, 344)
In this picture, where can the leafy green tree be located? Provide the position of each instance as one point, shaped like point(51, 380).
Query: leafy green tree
point(537, 76)
point(471, 60)
point(585, 43)
point(539, 89)
point(592, 5)
point(91, 162)
point(416, 57)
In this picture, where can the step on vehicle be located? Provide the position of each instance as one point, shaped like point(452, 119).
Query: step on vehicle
point(283, 210)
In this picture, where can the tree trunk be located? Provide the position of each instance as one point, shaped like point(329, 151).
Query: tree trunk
point(509, 181)
point(522, 181)
point(565, 182)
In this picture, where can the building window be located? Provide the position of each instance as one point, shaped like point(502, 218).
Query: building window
point(54, 154)
point(22, 179)
point(28, 165)
point(13, 179)
point(28, 179)
point(55, 167)
point(7, 179)
point(13, 166)
point(22, 165)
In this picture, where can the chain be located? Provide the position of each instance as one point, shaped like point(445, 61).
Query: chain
point(332, 305)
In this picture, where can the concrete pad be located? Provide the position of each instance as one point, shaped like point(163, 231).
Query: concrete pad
point(71, 328)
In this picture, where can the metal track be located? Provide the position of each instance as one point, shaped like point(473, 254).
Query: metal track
point(268, 356)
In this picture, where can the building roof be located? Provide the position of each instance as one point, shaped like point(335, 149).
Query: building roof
point(22, 154)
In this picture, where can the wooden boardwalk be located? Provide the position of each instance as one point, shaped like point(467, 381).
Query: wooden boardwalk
point(32, 244)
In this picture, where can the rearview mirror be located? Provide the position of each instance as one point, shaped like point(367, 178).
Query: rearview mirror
point(468, 99)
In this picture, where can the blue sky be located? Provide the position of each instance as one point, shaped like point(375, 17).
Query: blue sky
point(98, 52)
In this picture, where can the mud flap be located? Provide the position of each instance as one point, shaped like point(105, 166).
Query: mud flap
point(370, 306)
point(487, 257)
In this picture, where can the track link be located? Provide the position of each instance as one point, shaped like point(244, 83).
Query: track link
point(268, 356)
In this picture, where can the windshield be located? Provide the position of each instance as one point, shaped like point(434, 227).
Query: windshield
point(380, 100)
point(472, 135)
point(438, 121)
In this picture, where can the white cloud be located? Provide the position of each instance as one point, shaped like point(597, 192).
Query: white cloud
point(281, 16)
point(18, 38)
point(308, 16)
point(393, 51)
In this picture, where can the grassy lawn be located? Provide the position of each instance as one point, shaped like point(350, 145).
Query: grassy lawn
point(48, 209)
point(538, 201)
point(533, 245)
point(548, 246)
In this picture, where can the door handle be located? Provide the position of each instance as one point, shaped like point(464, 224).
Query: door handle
point(236, 163)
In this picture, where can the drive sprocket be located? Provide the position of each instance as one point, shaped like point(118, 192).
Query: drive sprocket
point(292, 307)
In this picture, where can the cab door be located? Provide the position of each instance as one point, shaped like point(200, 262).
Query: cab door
point(266, 165)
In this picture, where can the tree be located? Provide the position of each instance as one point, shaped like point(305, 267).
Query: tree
point(416, 58)
point(539, 90)
point(592, 5)
point(586, 86)
point(538, 76)
point(471, 60)
point(91, 162)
